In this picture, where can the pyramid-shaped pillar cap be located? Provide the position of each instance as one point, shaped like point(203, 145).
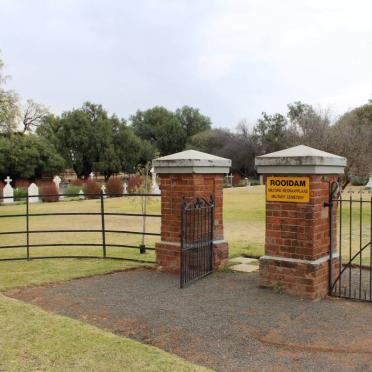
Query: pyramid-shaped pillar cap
point(191, 161)
point(300, 160)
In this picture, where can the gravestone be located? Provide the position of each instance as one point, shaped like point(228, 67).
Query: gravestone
point(33, 192)
point(154, 187)
point(57, 180)
point(91, 175)
point(8, 192)
point(81, 195)
point(369, 184)
point(125, 188)
point(103, 189)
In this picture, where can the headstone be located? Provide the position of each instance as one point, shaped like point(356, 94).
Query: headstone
point(154, 187)
point(81, 195)
point(125, 188)
point(247, 183)
point(57, 180)
point(103, 189)
point(369, 184)
point(8, 191)
point(33, 192)
point(91, 175)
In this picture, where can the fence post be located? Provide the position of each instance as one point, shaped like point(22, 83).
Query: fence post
point(27, 227)
point(103, 224)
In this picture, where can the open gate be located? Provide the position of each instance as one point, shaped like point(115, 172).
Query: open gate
point(197, 221)
point(354, 234)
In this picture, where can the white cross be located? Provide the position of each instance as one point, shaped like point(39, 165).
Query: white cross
point(91, 175)
point(8, 180)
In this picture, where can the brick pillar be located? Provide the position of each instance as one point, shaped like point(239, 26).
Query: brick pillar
point(297, 243)
point(189, 174)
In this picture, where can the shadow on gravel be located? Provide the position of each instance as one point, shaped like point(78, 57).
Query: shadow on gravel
point(223, 321)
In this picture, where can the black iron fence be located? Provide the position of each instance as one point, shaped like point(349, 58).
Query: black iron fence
point(197, 222)
point(27, 232)
point(353, 278)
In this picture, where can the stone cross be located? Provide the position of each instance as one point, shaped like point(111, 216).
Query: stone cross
point(125, 188)
point(33, 191)
point(57, 180)
point(154, 187)
point(8, 191)
point(91, 175)
point(103, 189)
point(81, 195)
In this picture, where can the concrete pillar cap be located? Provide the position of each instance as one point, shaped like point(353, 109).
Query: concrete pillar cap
point(191, 161)
point(300, 160)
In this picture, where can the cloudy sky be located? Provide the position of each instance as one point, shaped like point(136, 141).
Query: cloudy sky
point(232, 59)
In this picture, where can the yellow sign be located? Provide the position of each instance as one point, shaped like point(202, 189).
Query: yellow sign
point(288, 189)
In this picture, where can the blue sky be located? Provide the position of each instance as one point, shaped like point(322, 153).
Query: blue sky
point(232, 59)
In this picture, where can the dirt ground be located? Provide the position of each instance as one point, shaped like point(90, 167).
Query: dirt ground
point(223, 321)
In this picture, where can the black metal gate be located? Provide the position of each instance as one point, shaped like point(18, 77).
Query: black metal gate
point(353, 239)
point(197, 221)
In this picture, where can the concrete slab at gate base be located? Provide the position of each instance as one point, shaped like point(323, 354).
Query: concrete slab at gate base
point(297, 236)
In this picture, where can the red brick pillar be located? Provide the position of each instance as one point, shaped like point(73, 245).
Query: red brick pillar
point(189, 174)
point(297, 239)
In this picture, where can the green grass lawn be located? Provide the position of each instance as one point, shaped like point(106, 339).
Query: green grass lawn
point(34, 340)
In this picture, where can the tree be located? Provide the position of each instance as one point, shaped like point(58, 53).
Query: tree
point(312, 127)
point(271, 132)
point(33, 116)
point(192, 121)
point(9, 110)
point(351, 136)
point(28, 156)
point(161, 128)
point(90, 140)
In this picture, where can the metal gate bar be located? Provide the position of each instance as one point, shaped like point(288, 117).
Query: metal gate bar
point(196, 256)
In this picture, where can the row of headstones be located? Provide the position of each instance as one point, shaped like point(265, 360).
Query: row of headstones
point(33, 190)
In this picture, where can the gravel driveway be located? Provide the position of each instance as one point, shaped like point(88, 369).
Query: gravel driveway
point(223, 321)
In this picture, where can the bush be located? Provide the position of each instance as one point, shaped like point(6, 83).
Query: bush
point(255, 182)
point(20, 194)
point(92, 187)
point(72, 189)
point(77, 182)
point(358, 181)
point(49, 193)
point(114, 186)
point(134, 183)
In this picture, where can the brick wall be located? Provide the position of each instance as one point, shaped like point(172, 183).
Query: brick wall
point(299, 231)
point(175, 187)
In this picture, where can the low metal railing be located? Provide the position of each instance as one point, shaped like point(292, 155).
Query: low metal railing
point(142, 248)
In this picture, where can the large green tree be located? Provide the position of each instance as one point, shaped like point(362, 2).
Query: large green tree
point(161, 128)
point(28, 156)
point(91, 140)
point(192, 121)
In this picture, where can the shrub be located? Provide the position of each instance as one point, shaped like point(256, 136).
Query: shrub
point(114, 186)
point(77, 182)
point(49, 193)
point(91, 187)
point(72, 189)
point(358, 181)
point(20, 194)
point(236, 179)
point(255, 182)
point(134, 183)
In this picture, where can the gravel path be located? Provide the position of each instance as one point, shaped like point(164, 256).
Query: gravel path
point(223, 321)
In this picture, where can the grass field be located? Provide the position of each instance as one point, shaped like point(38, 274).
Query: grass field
point(32, 339)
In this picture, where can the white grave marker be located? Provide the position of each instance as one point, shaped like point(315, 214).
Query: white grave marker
point(81, 195)
point(91, 175)
point(125, 188)
point(369, 184)
point(103, 189)
point(33, 191)
point(154, 186)
point(8, 191)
